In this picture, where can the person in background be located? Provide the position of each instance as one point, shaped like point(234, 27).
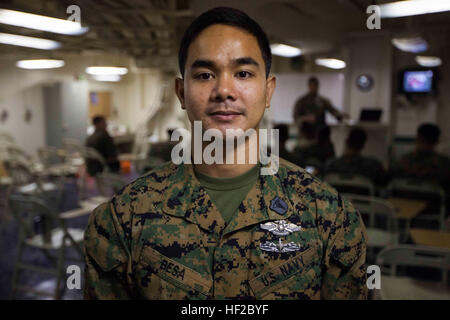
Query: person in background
point(424, 163)
point(311, 107)
point(104, 144)
point(283, 138)
point(353, 163)
point(322, 150)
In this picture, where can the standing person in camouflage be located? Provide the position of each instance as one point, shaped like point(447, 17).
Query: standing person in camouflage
point(311, 107)
point(424, 163)
point(223, 231)
point(352, 162)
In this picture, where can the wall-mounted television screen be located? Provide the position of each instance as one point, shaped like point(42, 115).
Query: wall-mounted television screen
point(418, 81)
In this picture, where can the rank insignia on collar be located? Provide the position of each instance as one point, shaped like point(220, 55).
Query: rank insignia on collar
point(280, 247)
point(280, 227)
point(278, 205)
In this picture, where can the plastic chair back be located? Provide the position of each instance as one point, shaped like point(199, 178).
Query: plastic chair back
point(414, 189)
point(417, 256)
point(346, 182)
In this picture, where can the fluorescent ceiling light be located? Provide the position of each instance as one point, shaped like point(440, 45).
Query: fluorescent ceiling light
point(426, 61)
point(107, 77)
point(414, 45)
point(413, 7)
point(331, 63)
point(30, 42)
point(284, 50)
point(38, 22)
point(106, 70)
point(40, 64)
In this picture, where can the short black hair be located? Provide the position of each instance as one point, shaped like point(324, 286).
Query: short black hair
point(357, 139)
point(227, 16)
point(313, 80)
point(429, 133)
point(97, 120)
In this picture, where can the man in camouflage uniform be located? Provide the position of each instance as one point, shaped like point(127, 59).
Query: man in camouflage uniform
point(170, 235)
point(311, 107)
point(354, 164)
point(424, 163)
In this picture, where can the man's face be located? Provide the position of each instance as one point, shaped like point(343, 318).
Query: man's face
point(225, 85)
point(313, 87)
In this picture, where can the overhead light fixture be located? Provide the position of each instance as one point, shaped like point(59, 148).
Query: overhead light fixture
point(107, 77)
point(429, 62)
point(40, 64)
point(29, 42)
point(106, 70)
point(331, 63)
point(414, 45)
point(413, 7)
point(38, 22)
point(284, 50)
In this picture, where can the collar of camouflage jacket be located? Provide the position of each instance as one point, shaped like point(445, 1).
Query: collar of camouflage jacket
point(186, 197)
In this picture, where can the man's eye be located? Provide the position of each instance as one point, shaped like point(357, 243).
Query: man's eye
point(244, 74)
point(204, 76)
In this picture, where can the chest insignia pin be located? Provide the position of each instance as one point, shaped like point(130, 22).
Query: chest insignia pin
point(280, 227)
point(280, 247)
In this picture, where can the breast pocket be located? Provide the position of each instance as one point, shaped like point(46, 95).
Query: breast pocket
point(160, 277)
point(295, 278)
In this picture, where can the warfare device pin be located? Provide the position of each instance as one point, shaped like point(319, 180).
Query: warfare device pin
point(280, 227)
point(280, 247)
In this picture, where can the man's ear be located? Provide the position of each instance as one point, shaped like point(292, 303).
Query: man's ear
point(179, 90)
point(271, 84)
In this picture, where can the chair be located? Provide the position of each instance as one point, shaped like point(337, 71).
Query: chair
point(26, 210)
point(350, 183)
point(57, 162)
point(413, 189)
point(379, 237)
point(109, 183)
point(394, 287)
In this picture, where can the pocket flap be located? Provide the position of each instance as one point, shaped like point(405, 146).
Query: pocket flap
point(275, 276)
point(175, 272)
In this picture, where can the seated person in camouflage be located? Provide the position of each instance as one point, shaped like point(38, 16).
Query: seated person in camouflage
point(322, 150)
point(424, 163)
point(225, 231)
point(352, 162)
point(284, 137)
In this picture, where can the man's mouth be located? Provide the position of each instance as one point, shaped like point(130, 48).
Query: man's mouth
point(225, 115)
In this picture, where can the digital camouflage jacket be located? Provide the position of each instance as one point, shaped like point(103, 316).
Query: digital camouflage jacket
point(161, 237)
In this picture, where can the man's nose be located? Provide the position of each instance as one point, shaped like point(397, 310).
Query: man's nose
point(224, 89)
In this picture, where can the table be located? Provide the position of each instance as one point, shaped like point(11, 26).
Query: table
point(433, 238)
point(5, 181)
point(86, 207)
point(407, 209)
